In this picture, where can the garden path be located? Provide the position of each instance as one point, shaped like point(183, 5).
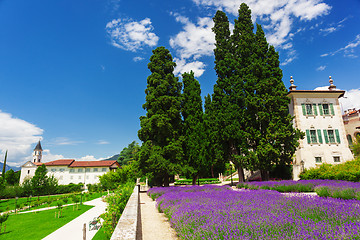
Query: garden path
point(74, 229)
point(154, 225)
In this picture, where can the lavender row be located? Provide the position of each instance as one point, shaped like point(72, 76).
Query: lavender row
point(213, 212)
point(324, 188)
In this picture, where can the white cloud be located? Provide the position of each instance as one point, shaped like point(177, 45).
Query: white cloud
point(348, 50)
point(131, 35)
point(102, 142)
point(278, 15)
point(17, 136)
point(182, 66)
point(322, 88)
point(64, 141)
point(321, 68)
point(137, 59)
point(351, 99)
point(88, 158)
point(195, 40)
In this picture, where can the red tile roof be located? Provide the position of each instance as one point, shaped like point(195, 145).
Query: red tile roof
point(107, 163)
point(60, 162)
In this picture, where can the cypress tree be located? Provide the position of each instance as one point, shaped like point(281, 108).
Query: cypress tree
point(161, 153)
point(193, 130)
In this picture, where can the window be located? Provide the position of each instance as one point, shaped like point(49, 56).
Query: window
point(349, 139)
point(28, 171)
point(80, 170)
point(95, 169)
point(326, 109)
point(87, 169)
point(62, 169)
point(318, 160)
point(53, 170)
point(331, 136)
point(308, 109)
point(336, 159)
point(103, 169)
point(313, 136)
point(87, 177)
point(61, 178)
point(79, 177)
point(71, 177)
point(72, 170)
point(95, 177)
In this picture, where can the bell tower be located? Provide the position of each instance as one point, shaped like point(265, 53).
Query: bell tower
point(37, 155)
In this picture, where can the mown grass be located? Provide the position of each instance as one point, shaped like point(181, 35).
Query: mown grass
point(45, 201)
point(38, 225)
point(100, 235)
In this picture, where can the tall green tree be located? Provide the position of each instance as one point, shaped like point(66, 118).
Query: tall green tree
point(273, 138)
point(4, 166)
point(41, 183)
point(193, 128)
point(128, 154)
point(11, 177)
point(161, 153)
point(232, 58)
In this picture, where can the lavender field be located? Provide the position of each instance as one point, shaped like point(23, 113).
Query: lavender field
point(213, 212)
point(324, 188)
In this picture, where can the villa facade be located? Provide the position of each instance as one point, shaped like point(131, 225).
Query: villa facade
point(68, 170)
point(318, 114)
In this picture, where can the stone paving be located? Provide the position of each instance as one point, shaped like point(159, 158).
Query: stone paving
point(74, 230)
point(154, 225)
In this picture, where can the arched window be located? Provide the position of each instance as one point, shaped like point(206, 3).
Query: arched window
point(349, 139)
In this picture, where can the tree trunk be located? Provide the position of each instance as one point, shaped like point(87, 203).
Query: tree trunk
point(194, 178)
point(241, 174)
point(212, 171)
point(166, 180)
point(264, 175)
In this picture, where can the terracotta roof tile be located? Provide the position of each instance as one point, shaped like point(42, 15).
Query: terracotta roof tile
point(60, 162)
point(107, 163)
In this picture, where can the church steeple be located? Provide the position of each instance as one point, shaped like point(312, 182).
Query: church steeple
point(37, 155)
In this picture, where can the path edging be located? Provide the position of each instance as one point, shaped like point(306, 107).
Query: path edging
point(126, 228)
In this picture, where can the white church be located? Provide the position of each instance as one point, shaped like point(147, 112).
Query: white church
point(318, 114)
point(68, 170)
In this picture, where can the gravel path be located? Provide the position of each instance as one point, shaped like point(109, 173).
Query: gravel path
point(74, 230)
point(154, 225)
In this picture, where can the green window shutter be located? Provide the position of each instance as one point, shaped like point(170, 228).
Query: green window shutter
point(308, 136)
point(337, 135)
point(321, 109)
point(332, 109)
point(303, 108)
point(314, 109)
point(326, 136)
point(319, 136)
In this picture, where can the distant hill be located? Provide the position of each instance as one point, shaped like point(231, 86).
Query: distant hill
point(9, 167)
point(115, 157)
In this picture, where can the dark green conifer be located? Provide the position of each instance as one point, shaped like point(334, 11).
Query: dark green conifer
point(161, 152)
point(193, 128)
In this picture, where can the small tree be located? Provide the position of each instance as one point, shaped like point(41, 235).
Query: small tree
point(3, 218)
point(356, 146)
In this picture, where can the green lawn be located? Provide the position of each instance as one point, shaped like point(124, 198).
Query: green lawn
point(38, 225)
point(9, 204)
point(100, 235)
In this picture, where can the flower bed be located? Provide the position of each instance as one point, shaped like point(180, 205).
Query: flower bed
point(202, 181)
point(324, 188)
point(213, 212)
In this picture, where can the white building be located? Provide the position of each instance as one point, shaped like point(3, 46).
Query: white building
point(318, 114)
point(68, 170)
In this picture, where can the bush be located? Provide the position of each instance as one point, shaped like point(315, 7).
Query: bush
point(347, 171)
point(201, 181)
point(115, 206)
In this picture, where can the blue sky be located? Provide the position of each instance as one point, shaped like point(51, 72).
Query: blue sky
point(73, 73)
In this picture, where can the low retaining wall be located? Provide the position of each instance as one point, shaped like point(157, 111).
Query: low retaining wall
point(126, 228)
